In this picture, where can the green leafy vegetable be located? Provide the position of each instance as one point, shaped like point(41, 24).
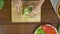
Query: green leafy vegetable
point(40, 31)
point(27, 10)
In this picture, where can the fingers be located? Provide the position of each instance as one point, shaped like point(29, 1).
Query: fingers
point(37, 9)
point(34, 13)
point(20, 5)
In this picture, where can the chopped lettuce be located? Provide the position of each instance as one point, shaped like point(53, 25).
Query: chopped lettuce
point(27, 11)
point(40, 31)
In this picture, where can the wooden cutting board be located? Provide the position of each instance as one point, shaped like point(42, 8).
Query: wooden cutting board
point(16, 17)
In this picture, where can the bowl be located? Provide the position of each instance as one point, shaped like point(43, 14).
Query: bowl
point(44, 29)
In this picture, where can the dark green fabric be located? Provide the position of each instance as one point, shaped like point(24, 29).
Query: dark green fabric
point(1, 4)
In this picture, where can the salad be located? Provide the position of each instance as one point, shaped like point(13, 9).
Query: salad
point(46, 29)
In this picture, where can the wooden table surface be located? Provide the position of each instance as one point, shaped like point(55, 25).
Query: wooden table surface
point(7, 27)
point(48, 13)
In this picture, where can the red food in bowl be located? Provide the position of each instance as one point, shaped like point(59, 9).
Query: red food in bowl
point(49, 29)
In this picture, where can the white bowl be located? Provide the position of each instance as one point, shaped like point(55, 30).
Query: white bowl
point(47, 25)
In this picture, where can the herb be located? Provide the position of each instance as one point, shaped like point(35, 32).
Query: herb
point(27, 11)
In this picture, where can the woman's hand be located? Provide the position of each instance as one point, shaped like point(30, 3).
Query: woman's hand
point(37, 8)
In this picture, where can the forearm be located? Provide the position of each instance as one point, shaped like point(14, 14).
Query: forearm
point(40, 2)
point(37, 7)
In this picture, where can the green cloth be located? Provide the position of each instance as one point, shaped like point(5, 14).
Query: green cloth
point(1, 4)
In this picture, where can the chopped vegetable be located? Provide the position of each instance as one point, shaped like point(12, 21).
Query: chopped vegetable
point(40, 31)
point(27, 11)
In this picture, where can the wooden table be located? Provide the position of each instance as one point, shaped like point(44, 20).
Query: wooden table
point(7, 27)
point(48, 13)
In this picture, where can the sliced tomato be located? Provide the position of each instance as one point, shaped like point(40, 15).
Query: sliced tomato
point(49, 29)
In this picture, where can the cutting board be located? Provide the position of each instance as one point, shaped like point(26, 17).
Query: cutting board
point(16, 17)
